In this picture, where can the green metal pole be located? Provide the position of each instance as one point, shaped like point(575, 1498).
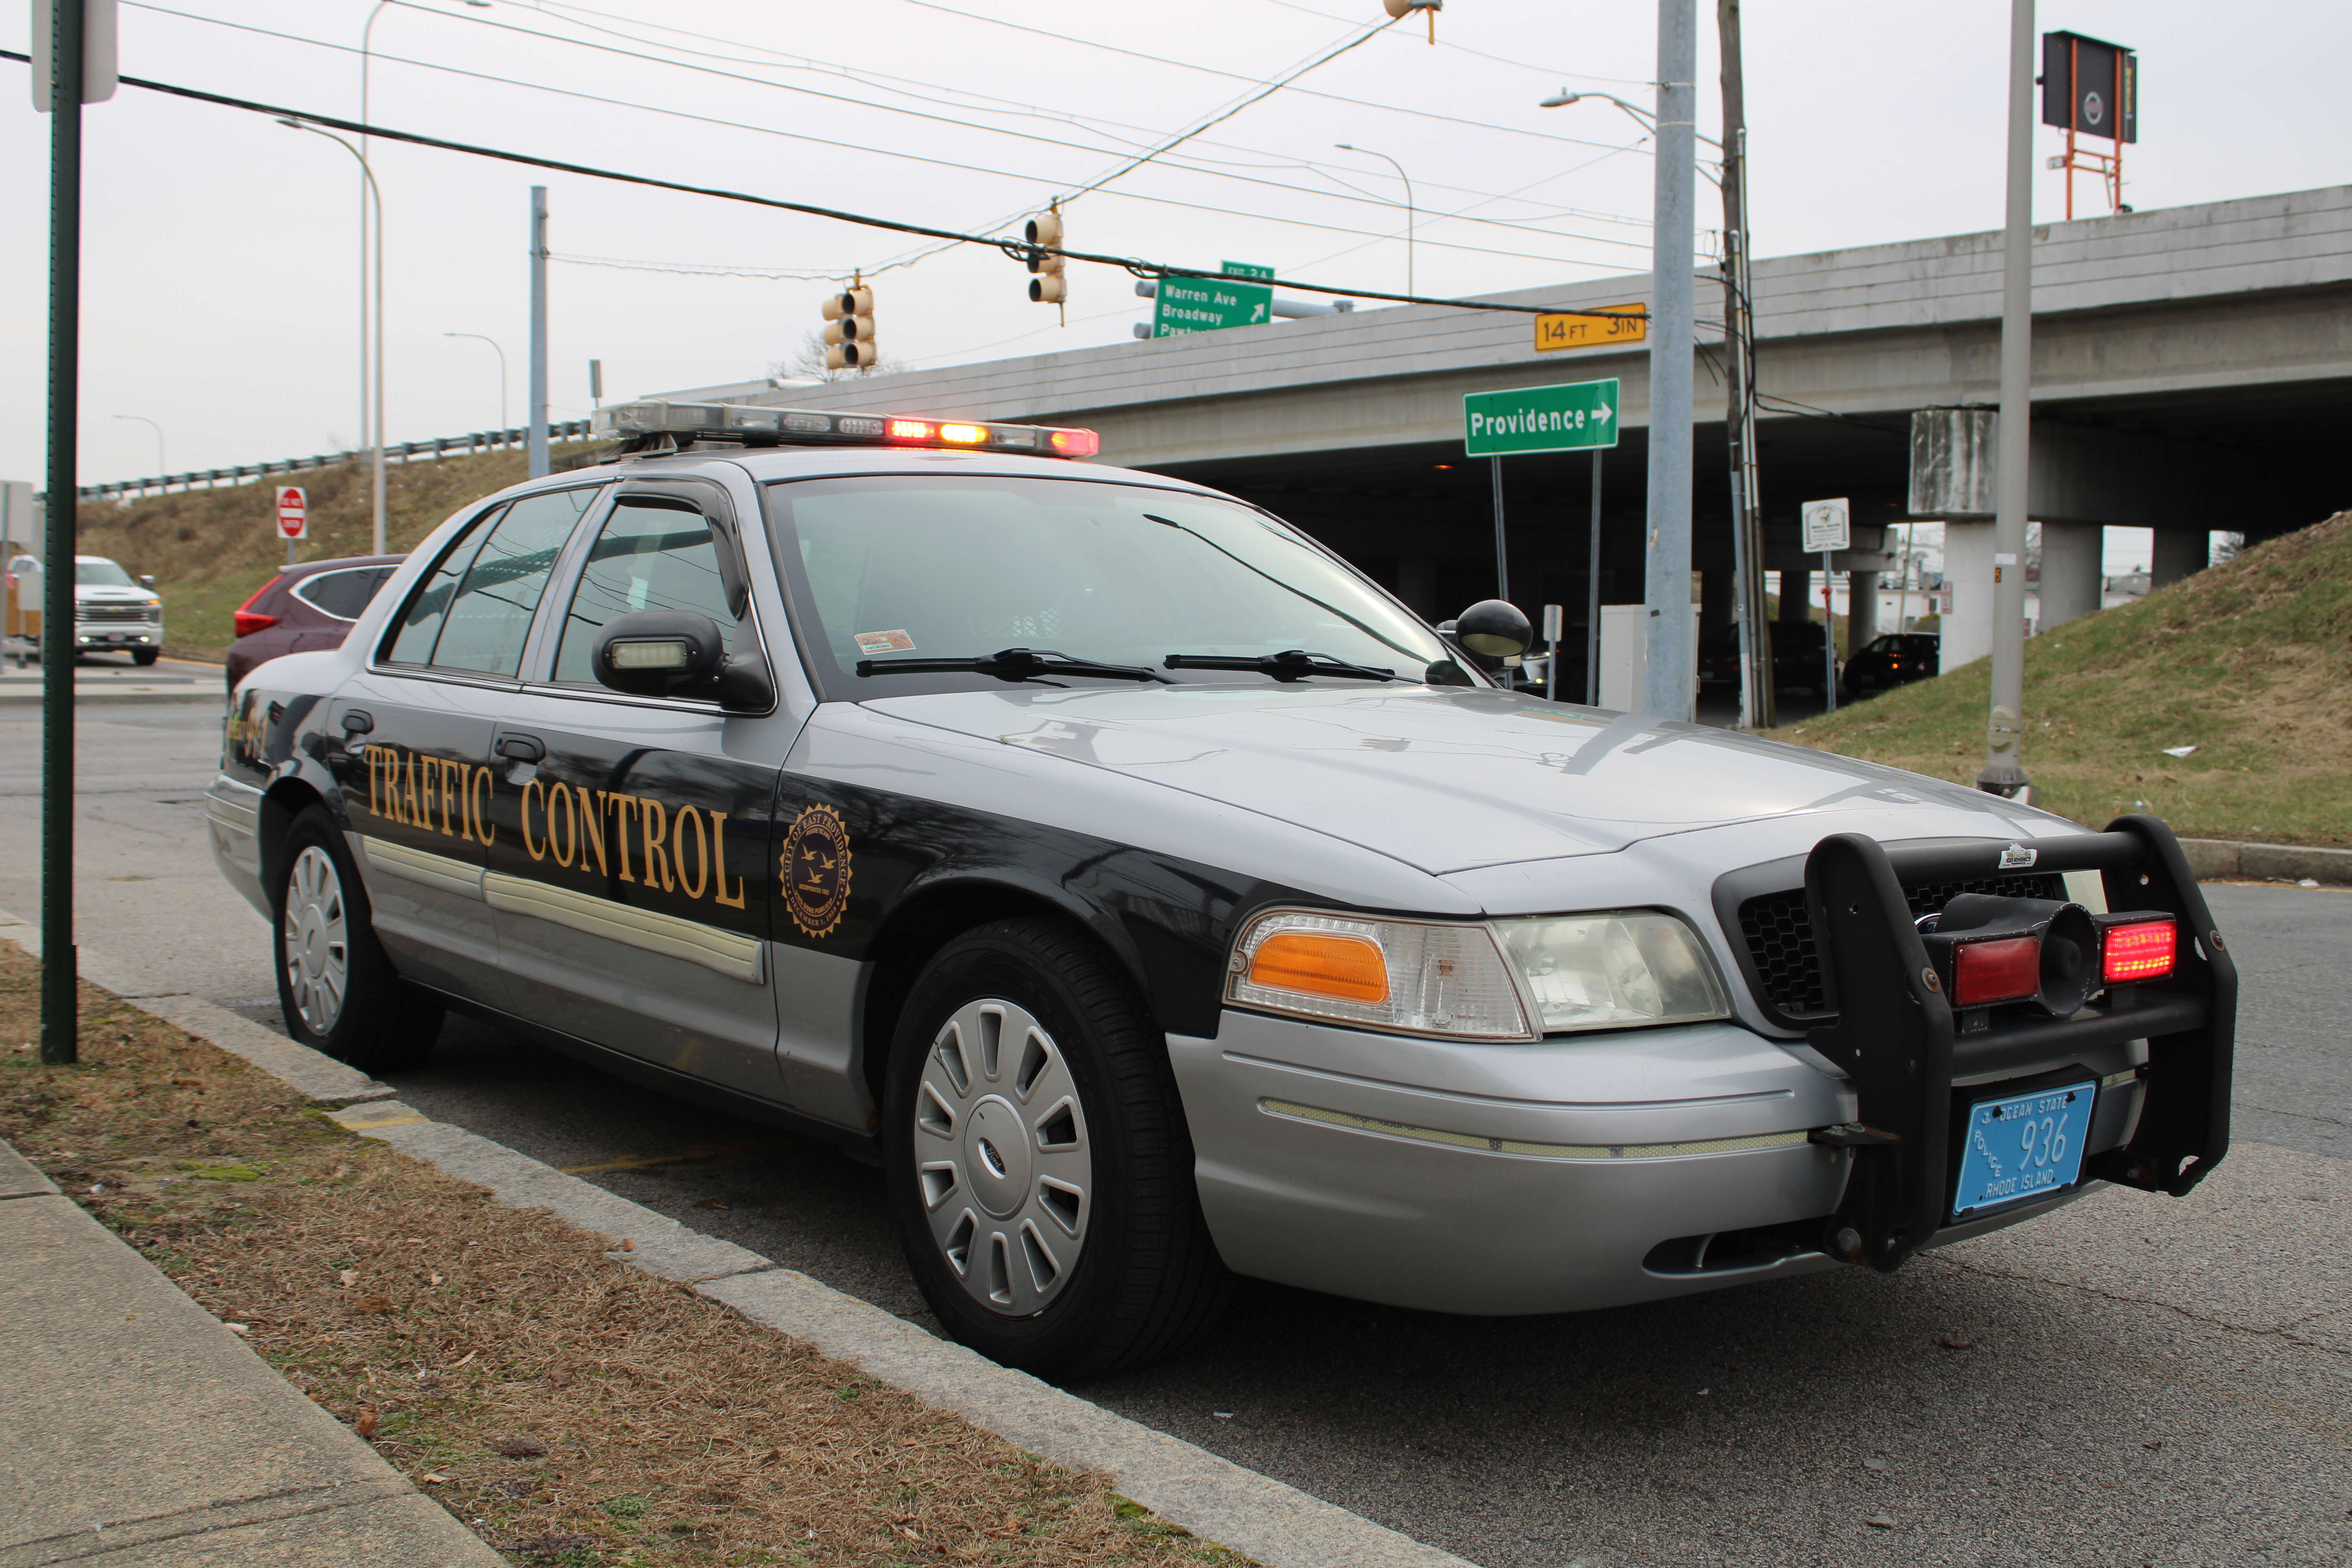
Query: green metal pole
point(59, 1033)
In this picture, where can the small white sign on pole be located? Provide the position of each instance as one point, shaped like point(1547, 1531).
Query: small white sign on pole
point(293, 513)
point(1829, 525)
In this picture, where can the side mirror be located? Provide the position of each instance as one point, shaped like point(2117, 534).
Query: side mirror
point(676, 653)
point(1494, 633)
point(653, 653)
point(147, 581)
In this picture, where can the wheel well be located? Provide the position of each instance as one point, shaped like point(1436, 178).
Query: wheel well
point(286, 800)
point(919, 930)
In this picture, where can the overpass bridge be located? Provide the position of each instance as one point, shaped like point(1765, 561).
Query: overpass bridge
point(2193, 372)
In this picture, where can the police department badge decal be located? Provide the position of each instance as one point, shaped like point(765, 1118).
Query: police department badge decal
point(814, 872)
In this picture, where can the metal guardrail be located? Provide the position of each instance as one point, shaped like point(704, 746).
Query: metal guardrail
point(438, 447)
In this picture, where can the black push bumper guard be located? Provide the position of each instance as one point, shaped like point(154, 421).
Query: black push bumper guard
point(1894, 1032)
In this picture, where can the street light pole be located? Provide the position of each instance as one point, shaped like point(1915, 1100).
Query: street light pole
point(60, 1018)
point(162, 466)
point(2004, 771)
point(1412, 217)
point(502, 369)
point(375, 190)
point(1667, 688)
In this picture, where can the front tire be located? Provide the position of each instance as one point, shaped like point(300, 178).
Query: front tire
point(143, 656)
point(336, 987)
point(1040, 1170)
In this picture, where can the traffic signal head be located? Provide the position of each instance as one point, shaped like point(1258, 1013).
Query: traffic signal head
point(1049, 285)
point(849, 330)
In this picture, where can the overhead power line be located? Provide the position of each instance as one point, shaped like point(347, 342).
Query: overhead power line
point(907, 157)
point(1140, 267)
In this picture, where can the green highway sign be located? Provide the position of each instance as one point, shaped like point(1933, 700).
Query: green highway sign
point(1209, 304)
point(1569, 418)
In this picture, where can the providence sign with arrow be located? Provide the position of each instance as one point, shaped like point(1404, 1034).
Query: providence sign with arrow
point(1569, 418)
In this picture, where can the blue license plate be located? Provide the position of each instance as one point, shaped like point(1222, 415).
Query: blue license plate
point(2027, 1146)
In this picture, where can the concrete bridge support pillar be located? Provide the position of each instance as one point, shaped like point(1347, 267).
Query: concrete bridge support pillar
point(2070, 570)
point(2177, 553)
point(1968, 567)
point(1795, 588)
point(1417, 586)
point(1861, 610)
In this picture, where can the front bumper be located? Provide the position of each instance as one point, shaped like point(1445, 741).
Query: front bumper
point(1602, 1170)
point(118, 634)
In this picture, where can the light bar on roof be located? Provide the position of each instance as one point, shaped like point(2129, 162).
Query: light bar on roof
point(757, 426)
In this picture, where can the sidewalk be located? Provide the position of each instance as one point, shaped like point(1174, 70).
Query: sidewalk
point(166, 680)
point(134, 1429)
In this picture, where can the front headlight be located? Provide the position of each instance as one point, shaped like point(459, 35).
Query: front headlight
point(1414, 977)
point(1614, 969)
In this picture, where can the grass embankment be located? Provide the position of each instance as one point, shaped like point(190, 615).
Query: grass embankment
point(574, 1412)
point(2250, 662)
point(209, 550)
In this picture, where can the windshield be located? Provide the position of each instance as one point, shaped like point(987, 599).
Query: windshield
point(101, 574)
point(921, 567)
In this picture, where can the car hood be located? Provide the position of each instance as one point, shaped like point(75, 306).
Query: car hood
point(1448, 779)
point(108, 594)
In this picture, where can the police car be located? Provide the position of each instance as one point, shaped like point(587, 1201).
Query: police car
point(1159, 900)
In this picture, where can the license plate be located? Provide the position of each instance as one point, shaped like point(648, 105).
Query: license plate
point(2027, 1146)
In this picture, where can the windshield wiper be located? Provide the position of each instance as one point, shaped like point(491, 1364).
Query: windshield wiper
point(1012, 664)
point(1289, 665)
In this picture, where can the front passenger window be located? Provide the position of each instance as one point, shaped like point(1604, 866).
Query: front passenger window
point(648, 557)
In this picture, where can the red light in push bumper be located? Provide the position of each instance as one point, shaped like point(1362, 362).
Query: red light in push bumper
point(2143, 950)
point(1074, 443)
point(2003, 970)
point(908, 430)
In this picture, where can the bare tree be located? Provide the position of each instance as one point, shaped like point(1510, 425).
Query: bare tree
point(807, 364)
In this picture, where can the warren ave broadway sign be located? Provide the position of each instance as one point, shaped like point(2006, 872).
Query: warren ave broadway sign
point(1540, 419)
point(1206, 304)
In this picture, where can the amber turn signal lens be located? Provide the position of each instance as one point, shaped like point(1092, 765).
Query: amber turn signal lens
point(2144, 951)
point(1318, 964)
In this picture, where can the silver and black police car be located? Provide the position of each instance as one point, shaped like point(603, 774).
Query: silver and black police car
point(1159, 900)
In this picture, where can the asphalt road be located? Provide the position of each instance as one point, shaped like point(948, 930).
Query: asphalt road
point(2146, 1380)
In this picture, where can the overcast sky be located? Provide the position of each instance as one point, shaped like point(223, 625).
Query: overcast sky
point(221, 280)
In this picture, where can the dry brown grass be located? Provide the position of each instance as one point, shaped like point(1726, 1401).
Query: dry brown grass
point(571, 1410)
point(2249, 662)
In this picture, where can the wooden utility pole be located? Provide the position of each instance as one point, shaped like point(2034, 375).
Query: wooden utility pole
point(1756, 706)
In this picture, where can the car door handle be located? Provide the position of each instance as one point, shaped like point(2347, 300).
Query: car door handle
point(521, 749)
point(358, 721)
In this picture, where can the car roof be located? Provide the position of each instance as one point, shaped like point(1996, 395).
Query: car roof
point(340, 563)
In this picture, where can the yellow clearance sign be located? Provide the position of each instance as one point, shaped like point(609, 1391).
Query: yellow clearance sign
point(1623, 328)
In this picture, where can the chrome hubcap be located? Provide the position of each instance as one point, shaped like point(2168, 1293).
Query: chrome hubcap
point(318, 955)
point(1002, 1158)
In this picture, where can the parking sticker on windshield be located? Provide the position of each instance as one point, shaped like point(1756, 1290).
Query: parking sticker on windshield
point(872, 643)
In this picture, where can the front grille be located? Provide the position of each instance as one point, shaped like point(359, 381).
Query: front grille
point(1779, 935)
point(88, 614)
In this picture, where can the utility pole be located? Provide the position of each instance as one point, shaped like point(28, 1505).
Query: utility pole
point(1756, 695)
point(1666, 587)
point(2004, 770)
point(538, 435)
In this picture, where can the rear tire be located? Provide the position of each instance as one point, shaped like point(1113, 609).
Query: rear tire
point(338, 990)
point(1075, 1247)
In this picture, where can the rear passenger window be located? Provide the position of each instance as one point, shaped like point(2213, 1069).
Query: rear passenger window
point(342, 594)
point(646, 558)
point(473, 614)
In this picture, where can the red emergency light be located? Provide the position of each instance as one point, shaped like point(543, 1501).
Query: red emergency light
point(2137, 947)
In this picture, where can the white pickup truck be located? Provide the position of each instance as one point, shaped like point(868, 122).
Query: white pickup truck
point(112, 612)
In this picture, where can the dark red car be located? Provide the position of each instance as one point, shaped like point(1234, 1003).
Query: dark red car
point(305, 608)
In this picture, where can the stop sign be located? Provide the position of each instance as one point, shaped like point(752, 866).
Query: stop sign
point(293, 513)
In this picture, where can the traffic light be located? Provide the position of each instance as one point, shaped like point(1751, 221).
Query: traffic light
point(849, 330)
point(1050, 286)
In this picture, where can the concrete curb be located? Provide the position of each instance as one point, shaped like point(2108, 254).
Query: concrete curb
point(1278, 1525)
point(316, 1077)
point(2219, 859)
